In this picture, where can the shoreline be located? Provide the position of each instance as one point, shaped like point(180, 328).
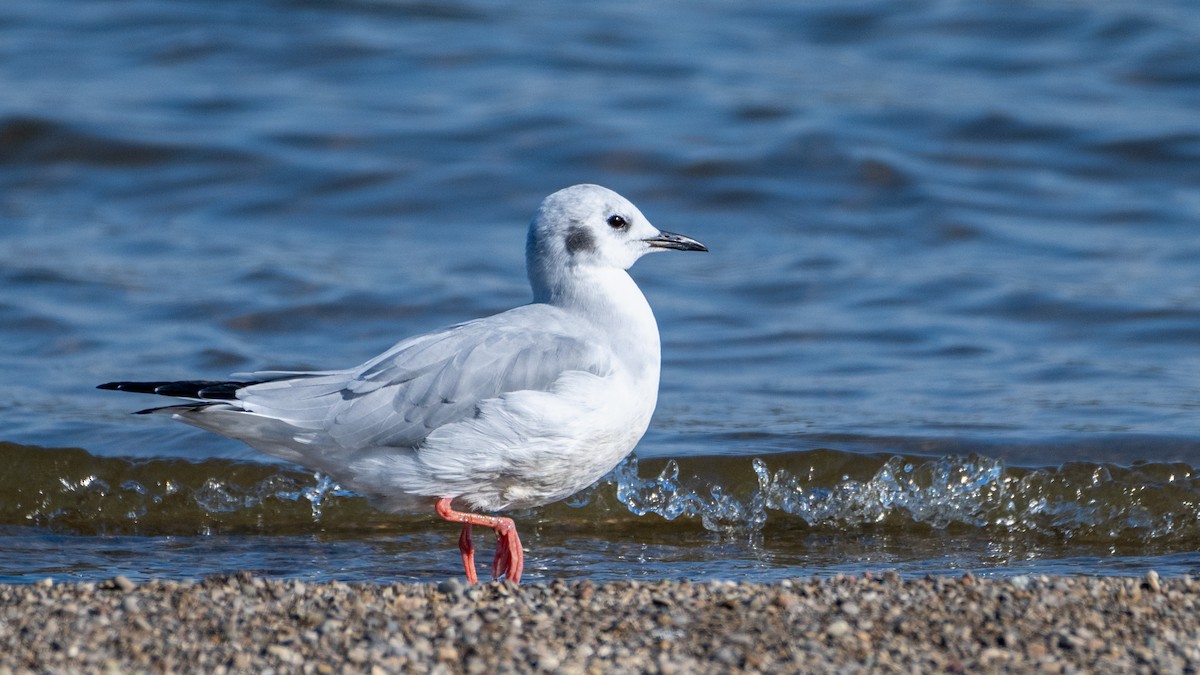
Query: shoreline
point(881, 622)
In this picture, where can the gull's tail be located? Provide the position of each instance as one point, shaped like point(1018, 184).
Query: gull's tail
point(276, 420)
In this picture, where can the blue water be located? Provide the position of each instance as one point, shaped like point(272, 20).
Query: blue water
point(964, 234)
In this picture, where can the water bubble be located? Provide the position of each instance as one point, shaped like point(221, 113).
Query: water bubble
point(215, 497)
point(135, 487)
point(316, 494)
point(583, 497)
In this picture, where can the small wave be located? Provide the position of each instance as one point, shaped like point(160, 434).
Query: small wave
point(37, 141)
point(72, 490)
point(823, 490)
point(1077, 501)
point(33, 140)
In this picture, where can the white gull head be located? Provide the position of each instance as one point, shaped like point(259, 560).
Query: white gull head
point(585, 228)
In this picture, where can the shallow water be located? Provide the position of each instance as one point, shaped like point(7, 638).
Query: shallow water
point(952, 293)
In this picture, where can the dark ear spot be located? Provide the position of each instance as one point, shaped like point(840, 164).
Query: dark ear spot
point(579, 240)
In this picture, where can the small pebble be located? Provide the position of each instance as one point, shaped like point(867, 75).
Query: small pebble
point(1152, 582)
point(451, 586)
point(837, 629)
point(122, 583)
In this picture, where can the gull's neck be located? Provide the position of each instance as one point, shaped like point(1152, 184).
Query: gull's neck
point(608, 298)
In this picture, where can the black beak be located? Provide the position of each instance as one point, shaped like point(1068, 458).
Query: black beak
point(675, 241)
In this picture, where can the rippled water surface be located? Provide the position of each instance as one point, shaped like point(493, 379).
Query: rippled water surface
point(950, 320)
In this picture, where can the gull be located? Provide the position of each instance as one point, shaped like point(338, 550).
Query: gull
point(511, 411)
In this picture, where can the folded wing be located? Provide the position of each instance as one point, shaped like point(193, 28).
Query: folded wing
point(401, 396)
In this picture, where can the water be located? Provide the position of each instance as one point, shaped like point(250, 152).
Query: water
point(950, 319)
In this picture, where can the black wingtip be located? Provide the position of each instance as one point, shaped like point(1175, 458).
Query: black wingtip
point(137, 387)
point(200, 389)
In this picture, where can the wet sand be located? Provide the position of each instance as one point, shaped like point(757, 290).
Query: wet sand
point(879, 623)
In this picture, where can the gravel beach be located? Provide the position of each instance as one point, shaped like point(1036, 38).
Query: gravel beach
point(881, 623)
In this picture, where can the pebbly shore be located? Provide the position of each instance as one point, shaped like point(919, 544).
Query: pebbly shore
point(882, 623)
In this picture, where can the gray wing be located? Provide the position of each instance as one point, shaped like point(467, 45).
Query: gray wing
point(428, 381)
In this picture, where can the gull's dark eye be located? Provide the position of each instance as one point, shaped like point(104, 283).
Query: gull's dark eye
point(617, 222)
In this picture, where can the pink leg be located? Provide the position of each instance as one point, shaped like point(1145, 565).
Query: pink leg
point(468, 553)
point(510, 558)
